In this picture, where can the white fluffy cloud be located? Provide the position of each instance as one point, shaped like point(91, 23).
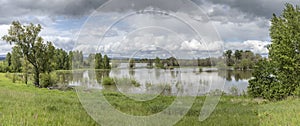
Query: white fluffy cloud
point(4, 47)
point(257, 46)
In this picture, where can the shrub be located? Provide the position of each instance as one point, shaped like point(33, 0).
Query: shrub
point(265, 84)
point(234, 91)
point(108, 81)
point(135, 83)
point(297, 92)
point(48, 80)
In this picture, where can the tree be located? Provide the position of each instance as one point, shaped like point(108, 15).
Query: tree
point(25, 70)
point(158, 63)
point(77, 59)
point(284, 55)
point(61, 59)
point(32, 46)
point(70, 60)
point(8, 59)
point(106, 62)
point(284, 50)
point(172, 61)
point(150, 63)
point(16, 63)
point(98, 61)
point(245, 60)
point(91, 60)
point(131, 63)
point(228, 55)
point(238, 55)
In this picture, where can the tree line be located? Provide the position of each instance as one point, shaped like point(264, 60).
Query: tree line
point(241, 60)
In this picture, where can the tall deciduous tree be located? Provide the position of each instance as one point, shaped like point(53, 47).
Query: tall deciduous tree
point(98, 61)
point(32, 46)
point(106, 62)
point(131, 63)
point(284, 77)
point(228, 56)
point(285, 47)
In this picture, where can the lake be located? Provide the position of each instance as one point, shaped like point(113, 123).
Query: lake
point(188, 81)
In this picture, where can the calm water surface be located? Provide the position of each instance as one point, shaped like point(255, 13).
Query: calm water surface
point(188, 81)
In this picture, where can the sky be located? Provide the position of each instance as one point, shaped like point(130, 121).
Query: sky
point(147, 27)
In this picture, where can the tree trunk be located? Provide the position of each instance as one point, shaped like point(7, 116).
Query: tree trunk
point(26, 77)
point(37, 78)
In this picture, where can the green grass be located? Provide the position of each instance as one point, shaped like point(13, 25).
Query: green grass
point(26, 105)
point(282, 113)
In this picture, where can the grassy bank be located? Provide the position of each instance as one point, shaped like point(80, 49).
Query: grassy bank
point(27, 105)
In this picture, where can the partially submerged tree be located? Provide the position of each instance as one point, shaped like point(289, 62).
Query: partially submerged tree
point(98, 61)
point(106, 61)
point(131, 63)
point(102, 63)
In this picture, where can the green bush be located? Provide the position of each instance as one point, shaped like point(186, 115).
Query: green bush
point(108, 81)
point(297, 92)
point(14, 78)
point(135, 83)
point(128, 82)
point(265, 84)
point(234, 91)
point(48, 80)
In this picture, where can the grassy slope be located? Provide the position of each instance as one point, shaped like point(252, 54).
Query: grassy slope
point(26, 105)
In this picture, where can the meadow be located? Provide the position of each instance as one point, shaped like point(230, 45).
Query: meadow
point(22, 104)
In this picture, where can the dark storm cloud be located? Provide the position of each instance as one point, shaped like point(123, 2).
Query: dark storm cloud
point(16, 9)
point(260, 8)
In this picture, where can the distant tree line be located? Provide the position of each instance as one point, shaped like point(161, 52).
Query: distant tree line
point(241, 60)
point(170, 62)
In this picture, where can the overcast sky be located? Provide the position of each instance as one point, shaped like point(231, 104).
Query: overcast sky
point(241, 24)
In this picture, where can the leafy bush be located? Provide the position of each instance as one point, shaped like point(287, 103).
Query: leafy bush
point(128, 82)
point(234, 91)
point(265, 84)
point(108, 81)
point(135, 83)
point(48, 80)
point(297, 92)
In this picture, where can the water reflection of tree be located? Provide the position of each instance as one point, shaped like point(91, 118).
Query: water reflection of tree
point(100, 74)
point(64, 77)
point(237, 74)
point(157, 73)
point(77, 76)
point(131, 72)
point(172, 73)
point(242, 75)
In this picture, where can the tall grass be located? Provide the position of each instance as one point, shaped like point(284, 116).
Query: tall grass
point(27, 105)
point(22, 104)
